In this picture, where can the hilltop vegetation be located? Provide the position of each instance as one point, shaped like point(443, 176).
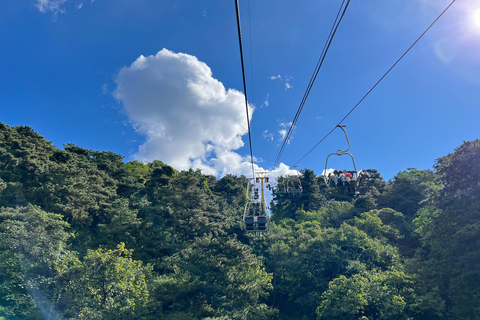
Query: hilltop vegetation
point(84, 235)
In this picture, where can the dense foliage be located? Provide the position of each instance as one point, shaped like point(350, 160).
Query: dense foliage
point(84, 235)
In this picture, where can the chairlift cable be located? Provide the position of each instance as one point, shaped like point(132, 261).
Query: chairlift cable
point(251, 54)
point(252, 91)
point(328, 42)
point(369, 91)
point(244, 83)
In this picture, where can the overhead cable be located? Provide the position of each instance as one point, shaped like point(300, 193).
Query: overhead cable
point(244, 85)
point(253, 127)
point(369, 91)
point(328, 42)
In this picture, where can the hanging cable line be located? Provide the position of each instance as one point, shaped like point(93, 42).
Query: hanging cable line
point(244, 84)
point(253, 127)
point(328, 42)
point(369, 91)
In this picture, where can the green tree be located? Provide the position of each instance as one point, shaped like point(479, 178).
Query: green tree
point(406, 191)
point(177, 210)
point(397, 230)
point(450, 229)
point(285, 206)
point(233, 189)
point(214, 277)
point(24, 157)
point(105, 284)
point(305, 258)
point(370, 188)
point(375, 294)
point(122, 224)
point(31, 242)
point(460, 171)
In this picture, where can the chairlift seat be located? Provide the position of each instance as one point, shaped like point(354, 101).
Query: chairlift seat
point(249, 223)
point(262, 223)
point(350, 190)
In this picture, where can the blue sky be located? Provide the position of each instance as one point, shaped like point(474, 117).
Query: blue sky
point(162, 79)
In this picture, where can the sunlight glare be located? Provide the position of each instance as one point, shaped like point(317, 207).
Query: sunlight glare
point(477, 18)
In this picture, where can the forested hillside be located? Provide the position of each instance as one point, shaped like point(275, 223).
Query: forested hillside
point(84, 235)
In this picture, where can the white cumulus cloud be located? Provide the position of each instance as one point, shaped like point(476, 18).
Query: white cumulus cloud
point(267, 135)
point(265, 103)
point(285, 124)
point(282, 133)
point(283, 170)
point(58, 6)
point(284, 79)
point(189, 118)
point(288, 85)
point(54, 6)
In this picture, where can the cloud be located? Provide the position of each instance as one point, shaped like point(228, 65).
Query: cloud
point(288, 85)
point(282, 170)
point(188, 117)
point(285, 124)
point(284, 79)
point(267, 135)
point(283, 131)
point(265, 103)
point(105, 88)
point(55, 6)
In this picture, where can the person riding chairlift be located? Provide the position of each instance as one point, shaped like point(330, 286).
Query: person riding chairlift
point(335, 177)
point(342, 178)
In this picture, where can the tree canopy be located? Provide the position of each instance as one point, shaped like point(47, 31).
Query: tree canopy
point(86, 235)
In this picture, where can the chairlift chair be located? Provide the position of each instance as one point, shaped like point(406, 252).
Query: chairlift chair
point(255, 215)
point(351, 188)
point(289, 184)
